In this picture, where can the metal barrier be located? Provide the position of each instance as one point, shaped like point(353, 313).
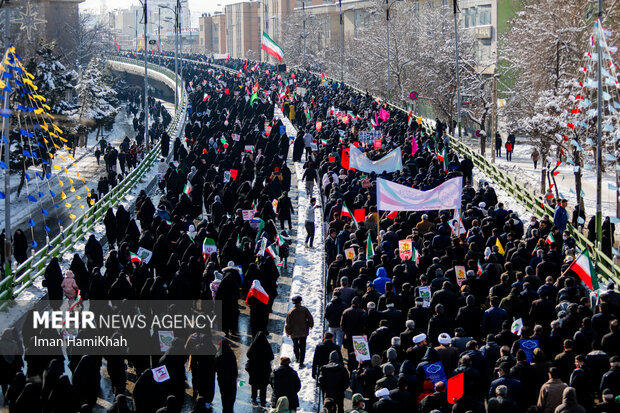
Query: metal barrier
point(34, 267)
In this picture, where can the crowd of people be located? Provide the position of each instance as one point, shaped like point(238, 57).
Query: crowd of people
point(213, 234)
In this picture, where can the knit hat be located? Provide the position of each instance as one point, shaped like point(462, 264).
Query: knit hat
point(391, 354)
point(388, 370)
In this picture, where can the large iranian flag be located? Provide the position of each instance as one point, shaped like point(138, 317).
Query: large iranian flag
point(583, 267)
point(208, 248)
point(271, 47)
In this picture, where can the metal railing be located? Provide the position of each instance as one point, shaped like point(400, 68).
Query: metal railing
point(34, 267)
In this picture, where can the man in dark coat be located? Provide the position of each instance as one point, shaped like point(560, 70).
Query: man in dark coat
point(285, 382)
point(322, 352)
point(334, 380)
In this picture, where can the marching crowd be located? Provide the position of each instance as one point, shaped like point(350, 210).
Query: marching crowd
point(520, 326)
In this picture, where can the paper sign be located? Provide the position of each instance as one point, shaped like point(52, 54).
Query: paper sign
point(360, 346)
point(144, 254)
point(528, 346)
point(254, 223)
point(226, 176)
point(455, 387)
point(235, 137)
point(267, 130)
point(460, 274)
point(314, 147)
point(405, 250)
point(248, 214)
point(249, 148)
point(368, 136)
point(349, 253)
point(425, 293)
point(378, 144)
point(165, 340)
point(160, 374)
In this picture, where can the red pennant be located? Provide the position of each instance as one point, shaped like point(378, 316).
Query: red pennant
point(356, 144)
point(392, 215)
point(455, 387)
point(556, 173)
point(576, 110)
point(226, 91)
point(359, 214)
point(331, 159)
point(570, 125)
point(548, 197)
point(233, 174)
point(557, 163)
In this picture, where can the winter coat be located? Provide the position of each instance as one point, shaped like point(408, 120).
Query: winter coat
point(53, 280)
point(258, 365)
point(333, 378)
point(20, 246)
point(321, 355)
point(94, 253)
point(226, 369)
point(550, 395)
point(298, 322)
point(569, 402)
point(285, 382)
point(69, 286)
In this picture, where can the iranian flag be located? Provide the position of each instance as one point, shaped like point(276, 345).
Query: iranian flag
point(346, 212)
point(269, 250)
point(415, 256)
point(271, 47)
point(280, 240)
point(257, 291)
point(135, 258)
point(208, 248)
point(479, 268)
point(583, 267)
point(550, 238)
point(187, 189)
point(370, 251)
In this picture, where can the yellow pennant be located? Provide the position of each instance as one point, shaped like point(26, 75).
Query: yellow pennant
point(72, 189)
point(87, 189)
point(71, 181)
point(57, 167)
point(68, 205)
point(81, 206)
point(63, 195)
point(61, 183)
point(72, 216)
point(78, 197)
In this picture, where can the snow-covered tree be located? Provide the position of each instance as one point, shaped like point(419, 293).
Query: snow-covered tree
point(55, 81)
point(97, 100)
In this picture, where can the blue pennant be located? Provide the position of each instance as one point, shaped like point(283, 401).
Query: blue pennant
point(52, 193)
point(26, 153)
point(31, 198)
point(2, 196)
point(23, 132)
point(41, 195)
point(48, 176)
point(44, 212)
point(27, 176)
point(46, 228)
point(44, 162)
point(34, 244)
point(38, 175)
point(56, 206)
point(3, 165)
point(31, 222)
point(4, 139)
point(59, 222)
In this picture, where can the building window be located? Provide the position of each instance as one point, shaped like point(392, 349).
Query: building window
point(444, 3)
point(484, 15)
point(416, 7)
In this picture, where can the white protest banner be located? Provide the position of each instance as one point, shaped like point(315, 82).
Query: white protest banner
point(144, 254)
point(248, 214)
point(396, 197)
point(360, 346)
point(460, 274)
point(160, 374)
point(391, 162)
point(425, 293)
point(165, 340)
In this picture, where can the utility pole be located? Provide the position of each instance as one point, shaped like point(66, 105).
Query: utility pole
point(7, 175)
point(387, 25)
point(146, 81)
point(493, 112)
point(458, 86)
point(159, 33)
point(180, 37)
point(303, 9)
point(136, 32)
point(599, 137)
point(341, 42)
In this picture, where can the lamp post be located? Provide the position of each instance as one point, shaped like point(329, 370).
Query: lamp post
point(458, 87)
point(176, 48)
point(341, 41)
point(599, 137)
point(146, 81)
point(303, 9)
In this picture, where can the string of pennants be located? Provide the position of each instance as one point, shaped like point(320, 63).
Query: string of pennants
point(40, 141)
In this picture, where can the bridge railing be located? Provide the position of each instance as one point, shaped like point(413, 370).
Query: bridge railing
point(34, 267)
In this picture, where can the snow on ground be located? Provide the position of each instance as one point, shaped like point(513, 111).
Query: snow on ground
point(307, 282)
point(522, 168)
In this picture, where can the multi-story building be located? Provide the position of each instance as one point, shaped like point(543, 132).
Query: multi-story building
point(212, 33)
point(243, 34)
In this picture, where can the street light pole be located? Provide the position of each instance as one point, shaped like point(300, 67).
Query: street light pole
point(136, 31)
point(341, 42)
point(146, 82)
point(458, 87)
point(303, 8)
point(7, 174)
point(387, 25)
point(159, 33)
point(599, 137)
